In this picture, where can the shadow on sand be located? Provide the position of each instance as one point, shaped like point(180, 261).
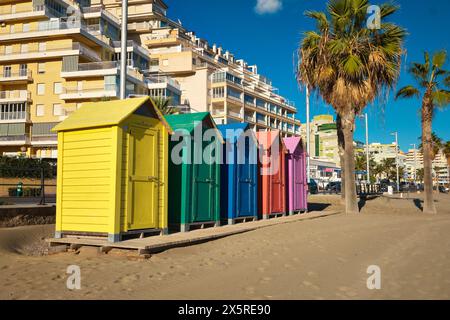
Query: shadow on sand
point(318, 206)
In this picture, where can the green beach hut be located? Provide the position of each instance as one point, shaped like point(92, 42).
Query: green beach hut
point(195, 153)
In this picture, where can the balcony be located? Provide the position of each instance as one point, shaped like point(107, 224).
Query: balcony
point(15, 140)
point(107, 91)
point(42, 134)
point(155, 82)
point(31, 12)
point(96, 12)
point(234, 114)
point(15, 116)
point(68, 50)
point(21, 77)
point(249, 118)
point(93, 69)
point(15, 96)
point(133, 45)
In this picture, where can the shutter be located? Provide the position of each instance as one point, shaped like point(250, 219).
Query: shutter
point(43, 129)
point(70, 63)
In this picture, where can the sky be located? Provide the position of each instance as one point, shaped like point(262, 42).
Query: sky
point(267, 33)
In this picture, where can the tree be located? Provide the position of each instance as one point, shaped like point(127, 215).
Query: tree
point(432, 78)
point(420, 174)
point(436, 145)
point(164, 105)
point(349, 66)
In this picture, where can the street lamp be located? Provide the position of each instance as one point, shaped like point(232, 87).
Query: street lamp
point(396, 159)
point(415, 162)
point(123, 52)
point(366, 117)
point(308, 138)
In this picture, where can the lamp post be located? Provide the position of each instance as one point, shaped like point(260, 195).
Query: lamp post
point(396, 159)
point(415, 162)
point(308, 137)
point(123, 52)
point(367, 148)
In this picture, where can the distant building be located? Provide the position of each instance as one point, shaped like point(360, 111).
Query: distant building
point(324, 139)
point(414, 162)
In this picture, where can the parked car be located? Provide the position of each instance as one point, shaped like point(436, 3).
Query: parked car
point(312, 187)
point(443, 189)
point(334, 187)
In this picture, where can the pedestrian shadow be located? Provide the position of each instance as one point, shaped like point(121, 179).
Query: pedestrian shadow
point(418, 204)
point(318, 206)
point(362, 202)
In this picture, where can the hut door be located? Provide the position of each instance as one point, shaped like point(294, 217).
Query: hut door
point(298, 183)
point(143, 178)
point(204, 191)
point(277, 189)
point(245, 186)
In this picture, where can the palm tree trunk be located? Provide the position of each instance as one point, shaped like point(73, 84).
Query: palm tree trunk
point(428, 206)
point(351, 203)
point(341, 150)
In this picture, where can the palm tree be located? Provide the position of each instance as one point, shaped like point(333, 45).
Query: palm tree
point(350, 66)
point(431, 78)
point(164, 105)
point(436, 145)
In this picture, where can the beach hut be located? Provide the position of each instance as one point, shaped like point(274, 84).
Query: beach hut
point(112, 170)
point(272, 175)
point(194, 171)
point(239, 174)
point(296, 175)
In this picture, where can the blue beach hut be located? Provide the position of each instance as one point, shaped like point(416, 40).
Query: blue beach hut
point(239, 174)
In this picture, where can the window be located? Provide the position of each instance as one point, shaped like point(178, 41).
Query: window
point(12, 29)
point(78, 105)
point(7, 71)
point(23, 70)
point(218, 92)
point(40, 110)
point(24, 48)
point(57, 88)
point(26, 27)
point(8, 49)
point(57, 110)
point(41, 89)
point(41, 67)
point(165, 62)
point(42, 46)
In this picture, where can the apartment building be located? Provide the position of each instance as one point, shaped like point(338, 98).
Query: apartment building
point(55, 55)
point(211, 78)
point(414, 162)
point(323, 139)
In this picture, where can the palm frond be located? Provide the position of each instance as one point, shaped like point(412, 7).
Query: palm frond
point(439, 58)
point(441, 98)
point(408, 92)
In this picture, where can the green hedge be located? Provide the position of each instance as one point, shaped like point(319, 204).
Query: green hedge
point(26, 168)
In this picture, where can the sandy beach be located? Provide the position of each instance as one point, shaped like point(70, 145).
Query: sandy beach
point(325, 258)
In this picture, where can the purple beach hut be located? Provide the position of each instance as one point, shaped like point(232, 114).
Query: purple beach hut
point(296, 191)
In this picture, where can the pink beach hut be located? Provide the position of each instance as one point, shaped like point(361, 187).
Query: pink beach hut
point(296, 191)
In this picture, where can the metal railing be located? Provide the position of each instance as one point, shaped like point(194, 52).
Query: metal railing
point(89, 66)
point(74, 46)
point(164, 79)
point(15, 94)
point(20, 74)
point(14, 115)
point(34, 190)
point(111, 87)
point(21, 137)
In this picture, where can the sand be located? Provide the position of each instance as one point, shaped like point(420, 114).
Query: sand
point(325, 258)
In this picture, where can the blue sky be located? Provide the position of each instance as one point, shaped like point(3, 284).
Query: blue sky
point(268, 33)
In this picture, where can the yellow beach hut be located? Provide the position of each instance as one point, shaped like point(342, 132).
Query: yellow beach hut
point(112, 170)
